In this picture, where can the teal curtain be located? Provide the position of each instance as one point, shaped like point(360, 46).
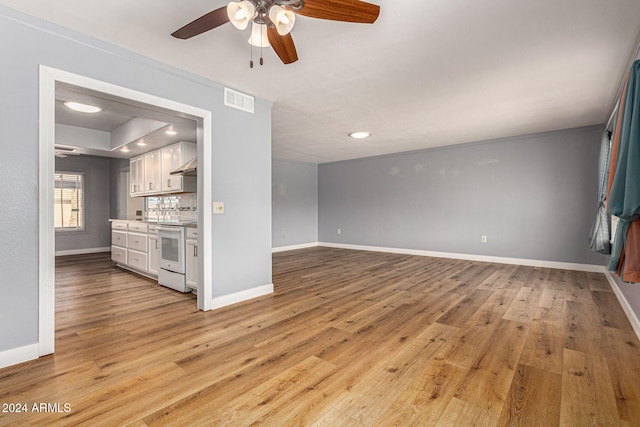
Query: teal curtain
point(624, 196)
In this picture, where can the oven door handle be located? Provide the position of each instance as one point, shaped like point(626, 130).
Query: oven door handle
point(172, 229)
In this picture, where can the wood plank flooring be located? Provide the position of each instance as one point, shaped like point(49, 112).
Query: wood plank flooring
point(349, 338)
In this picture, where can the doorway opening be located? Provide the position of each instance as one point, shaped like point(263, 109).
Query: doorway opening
point(52, 80)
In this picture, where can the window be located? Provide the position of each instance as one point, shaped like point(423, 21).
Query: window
point(69, 201)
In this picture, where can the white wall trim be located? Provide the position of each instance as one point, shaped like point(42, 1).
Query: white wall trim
point(241, 296)
point(631, 315)
point(46, 229)
point(19, 355)
point(294, 247)
point(471, 257)
point(83, 251)
point(205, 216)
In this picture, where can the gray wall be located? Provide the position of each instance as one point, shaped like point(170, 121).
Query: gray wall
point(119, 188)
point(241, 161)
point(533, 196)
point(97, 229)
point(294, 196)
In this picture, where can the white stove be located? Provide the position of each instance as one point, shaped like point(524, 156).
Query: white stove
point(171, 257)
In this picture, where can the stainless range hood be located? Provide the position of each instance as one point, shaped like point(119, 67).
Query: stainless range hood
point(188, 169)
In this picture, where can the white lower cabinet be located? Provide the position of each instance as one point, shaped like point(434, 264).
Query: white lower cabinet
point(119, 255)
point(137, 260)
point(119, 242)
point(153, 253)
point(191, 258)
point(134, 245)
point(119, 238)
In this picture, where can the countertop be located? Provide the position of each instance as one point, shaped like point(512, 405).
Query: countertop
point(189, 224)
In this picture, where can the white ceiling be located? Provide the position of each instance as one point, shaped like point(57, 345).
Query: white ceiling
point(115, 113)
point(427, 73)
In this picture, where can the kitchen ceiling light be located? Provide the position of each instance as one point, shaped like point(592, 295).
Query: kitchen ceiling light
point(83, 108)
point(360, 135)
point(141, 143)
point(170, 132)
point(124, 149)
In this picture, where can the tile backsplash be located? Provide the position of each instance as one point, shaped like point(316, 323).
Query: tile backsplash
point(177, 208)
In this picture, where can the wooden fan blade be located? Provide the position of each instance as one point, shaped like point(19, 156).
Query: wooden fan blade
point(341, 10)
point(283, 46)
point(203, 24)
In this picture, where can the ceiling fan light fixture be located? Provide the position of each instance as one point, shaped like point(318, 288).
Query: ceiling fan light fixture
point(241, 13)
point(259, 37)
point(282, 18)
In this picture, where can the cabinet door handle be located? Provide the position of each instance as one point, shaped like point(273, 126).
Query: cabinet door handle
point(168, 183)
point(156, 244)
point(195, 251)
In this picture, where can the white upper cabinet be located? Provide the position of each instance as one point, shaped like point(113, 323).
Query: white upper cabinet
point(136, 176)
point(171, 160)
point(151, 172)
point(173, 157)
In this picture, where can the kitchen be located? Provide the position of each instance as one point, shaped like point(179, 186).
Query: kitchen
point(137, 196)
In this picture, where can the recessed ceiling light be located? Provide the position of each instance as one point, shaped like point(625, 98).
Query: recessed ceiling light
point(170, 132)
point(83, 108)
point(360, 135)
point(141, 143)
point(124, 149)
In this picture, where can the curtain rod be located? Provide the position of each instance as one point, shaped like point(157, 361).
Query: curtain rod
point(634, 56)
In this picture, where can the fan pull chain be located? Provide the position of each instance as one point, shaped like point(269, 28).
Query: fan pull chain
point(251, 49)
point(261, 43)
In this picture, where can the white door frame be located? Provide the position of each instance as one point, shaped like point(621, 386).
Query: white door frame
point(46, 234)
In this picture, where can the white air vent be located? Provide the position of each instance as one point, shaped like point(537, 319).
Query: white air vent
point(238, 100)
point(65, 148)
point(61, 151)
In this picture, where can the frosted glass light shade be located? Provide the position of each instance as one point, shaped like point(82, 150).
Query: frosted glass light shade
point(283, 19)
point(241, 13)
point(83, 108)
point(259, 36)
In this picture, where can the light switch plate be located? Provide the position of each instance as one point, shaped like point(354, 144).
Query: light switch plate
point(218, 208)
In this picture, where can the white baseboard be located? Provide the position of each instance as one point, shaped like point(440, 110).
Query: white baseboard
point(237, 297)
point(19, 355)
point(631, 315)
point(294, 247)
point(471, 257)
point(83, 251)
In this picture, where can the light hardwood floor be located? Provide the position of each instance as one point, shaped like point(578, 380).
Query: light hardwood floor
point(349, 338)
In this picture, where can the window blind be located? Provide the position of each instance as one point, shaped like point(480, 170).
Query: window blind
point(69, 201)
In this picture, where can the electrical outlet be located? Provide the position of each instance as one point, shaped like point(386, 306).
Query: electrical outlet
point(484, 239)
point(218, 208)
point(339, 231)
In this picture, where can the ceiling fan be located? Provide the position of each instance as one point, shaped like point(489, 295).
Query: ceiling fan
point(272, 20)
